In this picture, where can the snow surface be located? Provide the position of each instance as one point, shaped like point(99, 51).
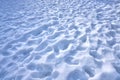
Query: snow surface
point(59, 39)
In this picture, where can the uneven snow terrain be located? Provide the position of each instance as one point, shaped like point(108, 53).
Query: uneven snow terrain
point(59, 39)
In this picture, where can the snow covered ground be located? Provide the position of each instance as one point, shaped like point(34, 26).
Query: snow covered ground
point(59, 39)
